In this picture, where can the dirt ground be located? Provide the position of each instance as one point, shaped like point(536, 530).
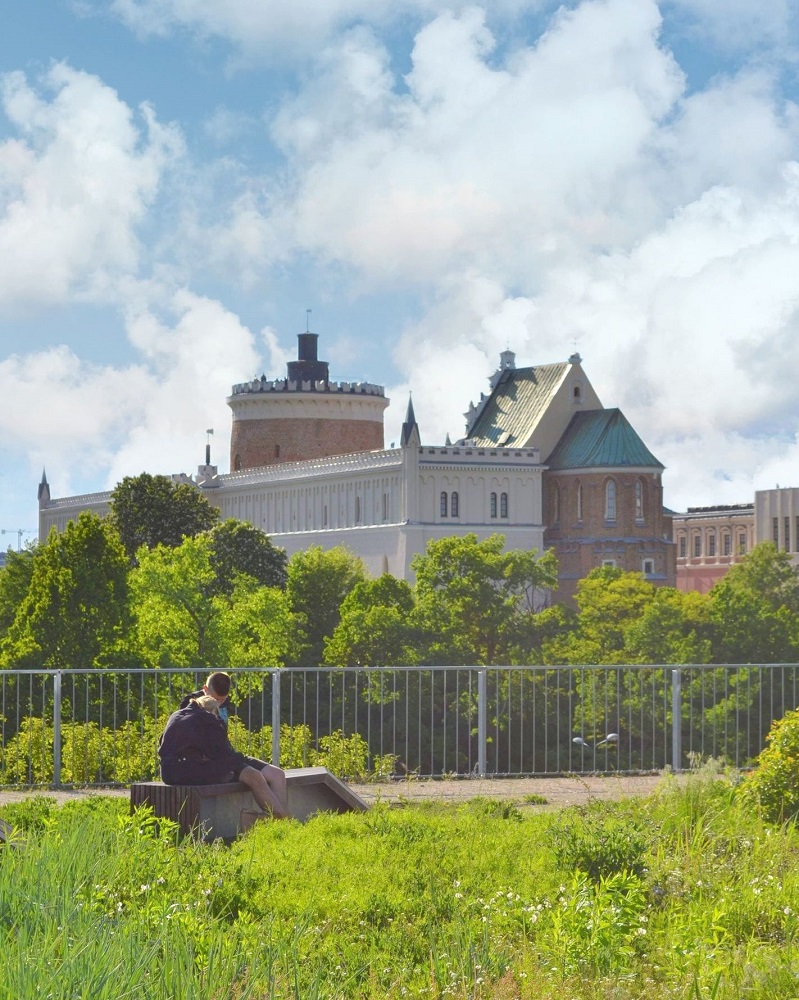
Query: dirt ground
point(558, 792)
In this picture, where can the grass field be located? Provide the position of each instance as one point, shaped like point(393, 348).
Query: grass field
point(685, 893)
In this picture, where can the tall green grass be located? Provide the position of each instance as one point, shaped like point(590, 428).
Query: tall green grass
point(685, 894)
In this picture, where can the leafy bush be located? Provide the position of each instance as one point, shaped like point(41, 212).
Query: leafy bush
point(600, 841)
point(774, 784)
point(27, 758)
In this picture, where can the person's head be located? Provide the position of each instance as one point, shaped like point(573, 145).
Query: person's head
point(208, 703)
point(218, 685)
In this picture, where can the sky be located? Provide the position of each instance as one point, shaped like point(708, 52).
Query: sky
point(181, 181)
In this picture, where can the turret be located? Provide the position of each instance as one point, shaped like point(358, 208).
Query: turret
point(303, 416)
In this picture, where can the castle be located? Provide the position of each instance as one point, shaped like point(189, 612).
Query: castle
point(542, 462)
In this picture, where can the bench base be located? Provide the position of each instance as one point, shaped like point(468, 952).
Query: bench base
point(213, 811)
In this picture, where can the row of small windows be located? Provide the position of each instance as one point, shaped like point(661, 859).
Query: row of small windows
point(709, 539)
point(610, 501)
point(449, 504)
point(785, 541)
point(647, 565)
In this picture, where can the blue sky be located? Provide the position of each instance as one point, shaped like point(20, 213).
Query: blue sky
point(180, 180)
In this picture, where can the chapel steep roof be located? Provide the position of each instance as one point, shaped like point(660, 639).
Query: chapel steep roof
point(520, 398)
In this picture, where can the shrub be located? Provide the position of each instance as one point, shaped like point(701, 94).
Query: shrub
point(774, 784)
point(597, 840)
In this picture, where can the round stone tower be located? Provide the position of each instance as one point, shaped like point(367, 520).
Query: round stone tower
point(304, 415)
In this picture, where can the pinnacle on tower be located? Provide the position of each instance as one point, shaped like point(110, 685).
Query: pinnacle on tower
point(410, 426)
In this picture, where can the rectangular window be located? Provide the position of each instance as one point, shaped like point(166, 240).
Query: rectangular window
point(683, 546)
point(648, 567)
point(742, 544)
point(697, 546)
point(786, 542)
point(775, 531)
point(726, 543)
point(608, 562)
point(711, 544)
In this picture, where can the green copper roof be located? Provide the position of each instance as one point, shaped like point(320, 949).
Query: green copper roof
point(600, 439)
point(519, 401)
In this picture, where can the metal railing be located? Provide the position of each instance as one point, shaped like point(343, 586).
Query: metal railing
point(98, 727)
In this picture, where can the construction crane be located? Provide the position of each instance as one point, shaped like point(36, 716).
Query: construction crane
point(19, 532)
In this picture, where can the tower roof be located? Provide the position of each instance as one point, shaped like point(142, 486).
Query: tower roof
point(601, 439)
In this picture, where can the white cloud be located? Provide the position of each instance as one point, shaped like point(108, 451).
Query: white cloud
point(74, 185)
point(497, 168)
point(273, 26)
point(85, 421)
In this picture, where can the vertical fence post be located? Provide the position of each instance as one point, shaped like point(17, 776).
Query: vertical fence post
point(482, 717)
point(276, 717)
point(57, 728)
point(676, 719)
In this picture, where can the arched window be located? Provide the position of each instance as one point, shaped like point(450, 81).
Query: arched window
point(697, 545)
point(493, 505)
point(683, 546)
point(711, 543)
point(453, 504)
point(443, 510)
point(579, 501)
point(556, 505)
point(503, 505)
point(639, 500)
point(357, 510)
point(237, 463)
point(610, 500)
point(385, 506)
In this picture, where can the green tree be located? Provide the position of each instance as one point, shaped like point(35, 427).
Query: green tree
point(15, 579)
point(317, 583)
point(173, 605)
point(375, 627)
point(75, 612)
point(152, 510)
point(181, 621)
point(238, 547)
point(756, 609)
point(254, 627)
point(472, 597)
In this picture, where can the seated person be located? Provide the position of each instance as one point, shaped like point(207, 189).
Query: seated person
point(195, 750)
point(218, 687)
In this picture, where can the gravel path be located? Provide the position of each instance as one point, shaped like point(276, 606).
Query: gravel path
point(562, 791)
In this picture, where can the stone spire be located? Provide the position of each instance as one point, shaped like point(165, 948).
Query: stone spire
point(43, 495)
point(410, 429)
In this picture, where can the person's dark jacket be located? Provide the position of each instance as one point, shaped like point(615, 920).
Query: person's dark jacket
point(195, 750)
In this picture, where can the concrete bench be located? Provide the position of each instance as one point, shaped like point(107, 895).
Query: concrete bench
point(216, 810)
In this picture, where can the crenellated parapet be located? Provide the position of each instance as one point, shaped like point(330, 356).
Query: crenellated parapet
point(263, 384)
point(303, 416)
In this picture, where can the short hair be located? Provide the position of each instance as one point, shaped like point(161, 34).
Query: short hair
point(219, 683)
point(205, 701)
